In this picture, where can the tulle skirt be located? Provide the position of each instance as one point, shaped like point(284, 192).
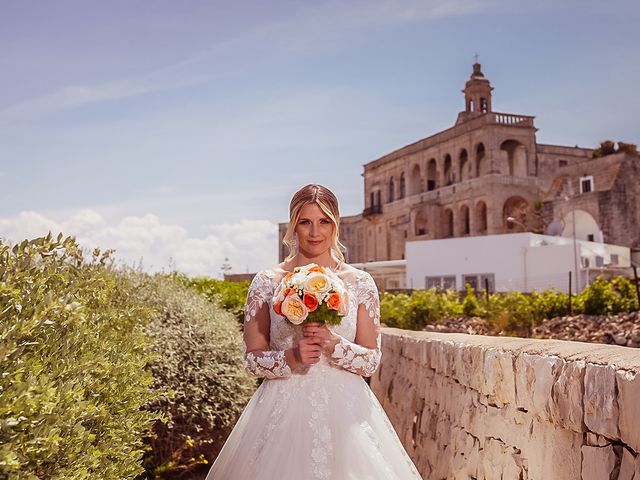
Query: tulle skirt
point(325, 424)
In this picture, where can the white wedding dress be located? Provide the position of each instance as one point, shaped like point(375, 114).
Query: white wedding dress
point(323, 422)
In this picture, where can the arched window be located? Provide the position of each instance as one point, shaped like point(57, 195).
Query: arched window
point(392, 190)
point(402, 186)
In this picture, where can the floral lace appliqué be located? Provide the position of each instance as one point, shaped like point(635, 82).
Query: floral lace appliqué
point(267, 364)
point(351, 356)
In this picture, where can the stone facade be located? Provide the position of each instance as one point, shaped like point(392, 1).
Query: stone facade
point(468, 179)
point(484, 408)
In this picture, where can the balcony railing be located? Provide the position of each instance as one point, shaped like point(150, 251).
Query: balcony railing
point(372, 210)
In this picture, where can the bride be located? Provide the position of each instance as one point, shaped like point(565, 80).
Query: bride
point(314, 416)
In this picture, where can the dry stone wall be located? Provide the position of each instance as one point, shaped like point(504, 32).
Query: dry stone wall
point(481, 407)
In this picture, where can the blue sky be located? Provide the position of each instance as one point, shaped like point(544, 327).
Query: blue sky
point(176, 132)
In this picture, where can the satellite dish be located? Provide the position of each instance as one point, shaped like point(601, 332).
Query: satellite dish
point(555, 228)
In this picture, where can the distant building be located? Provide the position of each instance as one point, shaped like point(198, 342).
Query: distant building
point(521, 261)
point(470, 179)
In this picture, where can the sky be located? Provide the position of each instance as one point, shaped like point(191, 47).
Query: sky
point(176, 132)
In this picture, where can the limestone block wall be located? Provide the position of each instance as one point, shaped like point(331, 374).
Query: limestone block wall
point(479, 407)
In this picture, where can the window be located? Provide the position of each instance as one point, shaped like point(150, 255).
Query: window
point(471, 280)
point(444, 282)
point(479, 281)
point(599, 261)
point(586, 184)
point(591, 237)
point(614, 259)
point(562, 162)
point(431, 185)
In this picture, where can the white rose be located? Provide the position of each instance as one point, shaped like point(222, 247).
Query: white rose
point(317, 283)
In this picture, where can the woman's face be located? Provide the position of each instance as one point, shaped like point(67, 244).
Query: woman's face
point(315, 231)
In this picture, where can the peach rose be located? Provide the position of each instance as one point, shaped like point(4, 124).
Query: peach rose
point(294, 309)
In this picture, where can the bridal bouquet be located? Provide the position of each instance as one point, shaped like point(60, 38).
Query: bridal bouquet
point(311, 293)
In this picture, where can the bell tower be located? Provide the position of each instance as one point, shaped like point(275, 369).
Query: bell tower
point(477, 95)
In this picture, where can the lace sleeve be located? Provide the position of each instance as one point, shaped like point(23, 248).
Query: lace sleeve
point(352, 356)
point(259, 359)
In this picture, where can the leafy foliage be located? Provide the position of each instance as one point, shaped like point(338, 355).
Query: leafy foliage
point(511, 313)
point(229, 295)
point(201, 365)
point(72, 357)
point(608, 147)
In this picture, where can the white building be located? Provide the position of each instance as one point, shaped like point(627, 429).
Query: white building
point(518, 261)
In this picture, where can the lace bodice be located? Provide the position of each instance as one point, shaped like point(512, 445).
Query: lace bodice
point(282, 335)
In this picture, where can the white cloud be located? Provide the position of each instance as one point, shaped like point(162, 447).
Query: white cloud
point(250, 245)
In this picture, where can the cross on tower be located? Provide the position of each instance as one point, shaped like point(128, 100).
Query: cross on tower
point(476, 57)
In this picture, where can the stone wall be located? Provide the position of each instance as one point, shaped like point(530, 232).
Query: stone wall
point(480, 407)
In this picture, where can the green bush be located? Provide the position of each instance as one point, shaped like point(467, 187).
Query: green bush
point(201, 365)
point(421, 308)
point(599, 298)
point(548, 304)
point(470, 305)
point(229, 295)
point(510, 313)
point(72, 357)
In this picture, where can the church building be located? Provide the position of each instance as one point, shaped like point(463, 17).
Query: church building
point(486, 175)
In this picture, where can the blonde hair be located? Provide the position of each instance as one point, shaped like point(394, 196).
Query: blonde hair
point(328, 203)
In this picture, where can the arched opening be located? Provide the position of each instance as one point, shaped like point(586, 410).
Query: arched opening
point(517, 208)
point(403, 187)
point(448, 223)
point(481, 218)
point(415, 181)
point(464, 226)
point(420, 227)
point(464, 165)
point(432, 175)
point(481, 163)
point(514, 158)
point(392, 191)
point(448, 174)
point(586, 227)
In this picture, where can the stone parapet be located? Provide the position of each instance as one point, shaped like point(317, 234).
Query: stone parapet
point(481, 407)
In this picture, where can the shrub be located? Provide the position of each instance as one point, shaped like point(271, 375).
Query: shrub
point(72, 357)
point(229, 295)
point(202, 350)
point(548, 304)
point(511, 313)
point(470, 305)
point(599, 298)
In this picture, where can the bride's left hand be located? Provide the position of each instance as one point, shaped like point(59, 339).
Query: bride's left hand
point(320, 330)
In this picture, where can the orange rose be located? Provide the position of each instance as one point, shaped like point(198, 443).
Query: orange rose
point(288, 291)
point(310, 301)
point(333, 302)
point(317, 268)
point(278, 308)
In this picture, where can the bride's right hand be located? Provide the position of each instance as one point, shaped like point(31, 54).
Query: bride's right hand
point(309, 350)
